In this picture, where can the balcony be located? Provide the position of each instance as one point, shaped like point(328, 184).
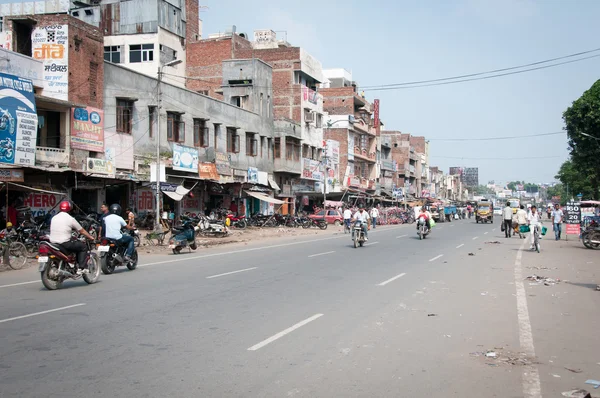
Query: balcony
point(361, 127)
point(363, 154)
point(311, 99)
point(54, 156)
point(283, 165)
point(387, 164)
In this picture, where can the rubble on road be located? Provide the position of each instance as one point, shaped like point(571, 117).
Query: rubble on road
point(493, 242)
point(577, 394)
point(500, 357)
point(539, 280)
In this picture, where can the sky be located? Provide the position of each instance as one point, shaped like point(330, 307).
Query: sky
point(395, 41)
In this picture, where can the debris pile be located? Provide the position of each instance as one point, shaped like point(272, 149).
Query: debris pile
point(539, 280)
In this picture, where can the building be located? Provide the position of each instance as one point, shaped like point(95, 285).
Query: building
point(297, 107)
point(410, 155)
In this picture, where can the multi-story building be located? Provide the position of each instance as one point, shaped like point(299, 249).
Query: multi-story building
point(350, 123)
point(410, 155)
point(297, 107)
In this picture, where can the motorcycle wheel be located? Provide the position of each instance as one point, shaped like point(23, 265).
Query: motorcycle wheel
point(50, 278)
point(323, 224)
point(420, 235)
point(306, 224)
point(17, 253)
point(361, 243)
point(93, 268)
point(106, 264)
point(587, 242)
point(134, 261)
point(355, 242)
point(242, 224)
point(177, 250)
point(193, 246)
point(136, 240)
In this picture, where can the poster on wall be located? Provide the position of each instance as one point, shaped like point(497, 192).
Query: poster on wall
point(50, 44)
point(185, 158)
point(87, 129)
point(253, 175)
point(18, 121)
point(350, 147)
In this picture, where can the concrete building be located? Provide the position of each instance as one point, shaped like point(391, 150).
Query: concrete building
point(297, 106)
point(410, 154)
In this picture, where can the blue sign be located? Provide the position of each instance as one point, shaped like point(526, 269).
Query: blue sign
point(253, 175)
point(18, 121)
point(185, 158)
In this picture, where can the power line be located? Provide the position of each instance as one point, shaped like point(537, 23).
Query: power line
point(516, 158)
point(514, 137)
point(487, 72)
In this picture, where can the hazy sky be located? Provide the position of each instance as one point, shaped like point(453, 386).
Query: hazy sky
point(384, 42)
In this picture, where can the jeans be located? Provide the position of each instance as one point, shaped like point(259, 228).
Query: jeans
point(508, 228)
point(127, 240)
point(374, 222)
point(365, 230)
point(347, 223)
point(557, 230)
point(79, 248)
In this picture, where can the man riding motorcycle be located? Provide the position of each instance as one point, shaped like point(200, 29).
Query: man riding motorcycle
point(426, 215)
point(362, 216)
point(113, 224)
point(61, 227)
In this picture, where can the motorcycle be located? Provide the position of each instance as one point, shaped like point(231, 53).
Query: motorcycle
point(56, 265)
point(422, 229)
point(358, 235)
point(314, 222)
point(237, 221)
point(208, 227)
point(135, 234)
point(591, 238)
point(112, 255)
point(186, 236)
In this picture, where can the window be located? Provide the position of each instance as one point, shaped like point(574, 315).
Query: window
point(112, 54)
point(152, 118)
point(233, 141)
point(200, 133)
point(251, 144)
point(292, 149)
point(203, 92)
point(319, 120)
point(175, 127)
point(239, 101)
point(277, 148)
point(141, 53)
point(269, 148)
point(124, 116)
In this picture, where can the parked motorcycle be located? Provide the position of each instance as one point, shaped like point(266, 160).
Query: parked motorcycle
point(422, 229)
point(314, 222)
point(210, 227)
point(591, 238)
point(112, 255)
point(237, 221)
point(358, 235)
point(57, 264)
point(135, 234)
point(185, 237)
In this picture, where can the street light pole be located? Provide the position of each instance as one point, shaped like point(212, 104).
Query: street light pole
point(159, 100)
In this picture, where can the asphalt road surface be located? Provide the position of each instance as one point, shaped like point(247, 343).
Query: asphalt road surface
point(313, 317)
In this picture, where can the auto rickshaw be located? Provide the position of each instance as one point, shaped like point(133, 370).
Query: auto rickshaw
point(484, 212)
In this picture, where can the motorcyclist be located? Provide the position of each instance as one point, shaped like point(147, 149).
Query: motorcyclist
point(61, 228)
point(113, 224)
point(427, 216)
point(363, 216)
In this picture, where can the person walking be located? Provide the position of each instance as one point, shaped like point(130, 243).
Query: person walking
point(521, 220)
point(507, 215)
point(557, 220)
point(374, 216)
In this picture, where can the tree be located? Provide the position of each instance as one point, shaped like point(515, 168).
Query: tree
point(582, 122)
point(574, 181)
point(557, 190)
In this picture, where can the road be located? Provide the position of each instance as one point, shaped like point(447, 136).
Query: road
point(313, 317)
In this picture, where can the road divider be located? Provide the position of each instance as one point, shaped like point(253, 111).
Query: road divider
point(284, 332)
point(41, 313)
point(391, 279)
point(231, 273)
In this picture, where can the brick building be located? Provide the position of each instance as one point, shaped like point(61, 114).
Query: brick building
point(410, 155)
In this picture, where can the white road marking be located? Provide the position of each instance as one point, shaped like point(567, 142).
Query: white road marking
point(452, 225)
point(477, 237)
point(391, 279)
point(459, 246)
point(371, 243)
point(284, 332)
point(41, 313)
point(485, 233)
point(436, 257)
point(231, 273)
point(401, 236)
point(19, 284)
point(494, 230)
point(531, 377)
point(321, 254)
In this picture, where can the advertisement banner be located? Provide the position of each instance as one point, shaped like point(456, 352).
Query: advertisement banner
point(300, 185)
point(333, 151)
point(12, 175)
point(572, 218)
point(376, 113)
point(145, 200)
point(87, 129)
point(350, 146)
point(100, 166)
point(42, 203)
point(50, 44)
point(253, 175)
point(208, 171)
point(223, 163)
point(185, 158)
point(18, 121)
point(311, 170)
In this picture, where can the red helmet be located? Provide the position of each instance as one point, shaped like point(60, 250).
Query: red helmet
point(65, 205)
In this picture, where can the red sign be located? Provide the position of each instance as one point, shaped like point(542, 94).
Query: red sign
point(573, 229)
point(41, 203)
point(376, 113)
point(145, 200)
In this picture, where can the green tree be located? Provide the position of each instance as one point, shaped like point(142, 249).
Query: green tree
point(582, 122)
point(557, 190)
point(575, 182)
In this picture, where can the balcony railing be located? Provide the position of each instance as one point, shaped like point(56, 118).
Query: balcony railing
point(55, 156)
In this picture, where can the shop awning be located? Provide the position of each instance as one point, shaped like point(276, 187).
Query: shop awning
point(265, 198)
point(179, 193)
point(273, 184)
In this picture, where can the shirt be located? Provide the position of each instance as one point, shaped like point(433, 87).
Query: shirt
point(374, 213)
point(534, 218)
point(347, 214)
point(507, 213)
point(364, 216)
point(521, 216)
point(113, 224)
point(62, 226)
point(557, 215)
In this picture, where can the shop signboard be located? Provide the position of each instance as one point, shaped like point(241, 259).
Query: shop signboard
point(350, 146)
point(223, 163)
point(100, 166)
point(87, 129)
point(42, 203)
point(145, 200)
point(208, 171)
point(165, 187)
point(12, 175)
point(185, 158)
point(333, 151)
point(253, 175)
point(302, 185)
point(311, 170)
point(18, 121)
point(50, 44)
point(572, 218)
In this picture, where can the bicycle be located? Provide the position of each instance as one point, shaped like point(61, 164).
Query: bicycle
point(536, 238)
point(17, 254)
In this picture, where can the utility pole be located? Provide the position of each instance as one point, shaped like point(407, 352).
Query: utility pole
point(324, 175)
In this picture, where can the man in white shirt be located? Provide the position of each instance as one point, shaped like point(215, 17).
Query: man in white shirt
point(374, 216)
point(557, 219)
point(507, 215)
point(347, 217)
point(534, 220)
point(362, 216)
point(521, 219)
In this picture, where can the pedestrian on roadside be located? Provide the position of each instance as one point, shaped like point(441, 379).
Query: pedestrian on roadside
point(557, 219)
point(347, 217)
point(521, 220)
point(507, 215)
point(374, 216)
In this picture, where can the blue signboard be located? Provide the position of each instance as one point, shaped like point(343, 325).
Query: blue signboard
point(18, 121)
point(185, 158)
